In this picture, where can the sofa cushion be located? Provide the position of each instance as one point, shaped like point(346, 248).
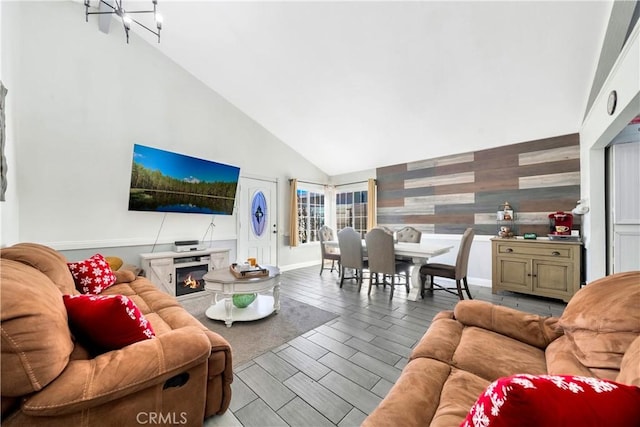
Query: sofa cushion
point(490, 355)
point(630, 367)
point(48, 261)
point(561, 359)
point(36, 341)
point(529, 328)
point(602, 319)
point(413, 399)
point(110, 322)
point(459, 393)
point(555, 400)
point(114, 262)
point(92, 275)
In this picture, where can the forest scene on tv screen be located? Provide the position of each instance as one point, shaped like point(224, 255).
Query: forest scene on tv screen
point(163, 181)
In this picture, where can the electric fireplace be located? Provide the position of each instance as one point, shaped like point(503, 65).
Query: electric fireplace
point(189, 274)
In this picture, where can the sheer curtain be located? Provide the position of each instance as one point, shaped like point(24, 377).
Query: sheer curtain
point(371, 204)
point(293, 212)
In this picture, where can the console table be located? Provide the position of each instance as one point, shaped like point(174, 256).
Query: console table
point(162, 268)
point(541, 267)
point(225, 284)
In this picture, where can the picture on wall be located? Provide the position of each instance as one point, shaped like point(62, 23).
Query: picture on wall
point(163, 181)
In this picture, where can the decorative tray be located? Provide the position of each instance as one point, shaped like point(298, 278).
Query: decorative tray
point(256, 271)
point(566, 237)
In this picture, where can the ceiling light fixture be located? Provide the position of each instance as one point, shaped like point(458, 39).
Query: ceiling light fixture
point(117, 8)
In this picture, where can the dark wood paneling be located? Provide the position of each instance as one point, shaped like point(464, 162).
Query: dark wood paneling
point(390, 170)
point(496, 180)
point(454, 168)
point(385, 186)
point(391, 203)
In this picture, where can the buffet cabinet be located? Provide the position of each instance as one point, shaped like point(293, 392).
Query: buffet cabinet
point(537, 267)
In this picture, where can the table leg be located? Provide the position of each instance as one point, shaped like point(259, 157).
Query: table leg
point(228, 306)
point(276, 297)
point(414, 293)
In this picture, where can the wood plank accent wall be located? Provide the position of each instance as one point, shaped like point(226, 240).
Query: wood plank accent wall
point(446, 195)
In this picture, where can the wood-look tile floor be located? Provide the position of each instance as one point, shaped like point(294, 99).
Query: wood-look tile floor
point(336, 374)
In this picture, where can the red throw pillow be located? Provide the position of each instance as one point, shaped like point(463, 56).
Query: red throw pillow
point(108, 321)
point(92, 275)
point(555, 400)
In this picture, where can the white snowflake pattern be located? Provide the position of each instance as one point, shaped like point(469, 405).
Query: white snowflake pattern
point(143, 322)
point(73, 266)
point(596, 384)
point(83, 269)
point(524, 382)
point(497, 402)
point(131, 312)
point(97, 289)
point(85, 281)
point(93, 263)
point(148, 333)
point(479, 418)
point(97, 272)
point(102, 262)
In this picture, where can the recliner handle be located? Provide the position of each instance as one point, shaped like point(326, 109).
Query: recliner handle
point(176, 381)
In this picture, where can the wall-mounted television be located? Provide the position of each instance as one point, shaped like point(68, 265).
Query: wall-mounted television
point(162, 181)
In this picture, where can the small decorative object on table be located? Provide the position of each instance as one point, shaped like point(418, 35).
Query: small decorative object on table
point(243, 300)
point(245, 271)
point(506, 221)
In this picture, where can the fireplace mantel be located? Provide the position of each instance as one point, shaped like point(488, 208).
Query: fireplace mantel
point(162, 268)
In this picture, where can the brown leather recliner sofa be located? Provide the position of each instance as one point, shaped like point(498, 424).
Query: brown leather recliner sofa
point(464, 350)
point(180, 377)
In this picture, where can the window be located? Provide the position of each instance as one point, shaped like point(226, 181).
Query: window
point(310, 214)
point(351, 210)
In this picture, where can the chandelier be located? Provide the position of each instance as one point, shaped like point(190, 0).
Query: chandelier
point(116, 7)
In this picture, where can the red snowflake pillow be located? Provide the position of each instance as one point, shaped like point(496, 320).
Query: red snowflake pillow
point(109, 322)
point(554, 401)
point(92, 275)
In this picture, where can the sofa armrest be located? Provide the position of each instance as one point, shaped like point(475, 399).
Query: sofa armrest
point(109, 376)
point(529, 328)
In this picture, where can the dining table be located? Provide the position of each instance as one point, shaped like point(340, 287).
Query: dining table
point(419, 254)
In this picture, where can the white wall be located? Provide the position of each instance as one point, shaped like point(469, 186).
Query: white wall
point(9, 218)
point(598, 130)
point(81, 99)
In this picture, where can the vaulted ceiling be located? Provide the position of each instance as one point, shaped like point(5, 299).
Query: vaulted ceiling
point(355, 85)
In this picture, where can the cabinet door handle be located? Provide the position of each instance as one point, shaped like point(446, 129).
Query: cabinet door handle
point(509, 250)
point(170, 278)
point(555, 253)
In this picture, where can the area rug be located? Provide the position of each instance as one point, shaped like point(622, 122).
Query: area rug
point(250, 339)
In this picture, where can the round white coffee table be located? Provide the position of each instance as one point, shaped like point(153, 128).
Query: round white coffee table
point(225, 285)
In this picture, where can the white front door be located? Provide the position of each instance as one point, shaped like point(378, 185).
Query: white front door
point(258, 221)
point(624, 209)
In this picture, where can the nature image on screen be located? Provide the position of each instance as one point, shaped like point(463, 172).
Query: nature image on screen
point(163, 181)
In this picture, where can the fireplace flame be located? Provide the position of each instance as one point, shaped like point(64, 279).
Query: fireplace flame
point(191, 282)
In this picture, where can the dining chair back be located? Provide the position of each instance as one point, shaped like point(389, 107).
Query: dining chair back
point(351, 255)
point(326, 234)
point(409, 235)
point(457, 272)
point(382, 260)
